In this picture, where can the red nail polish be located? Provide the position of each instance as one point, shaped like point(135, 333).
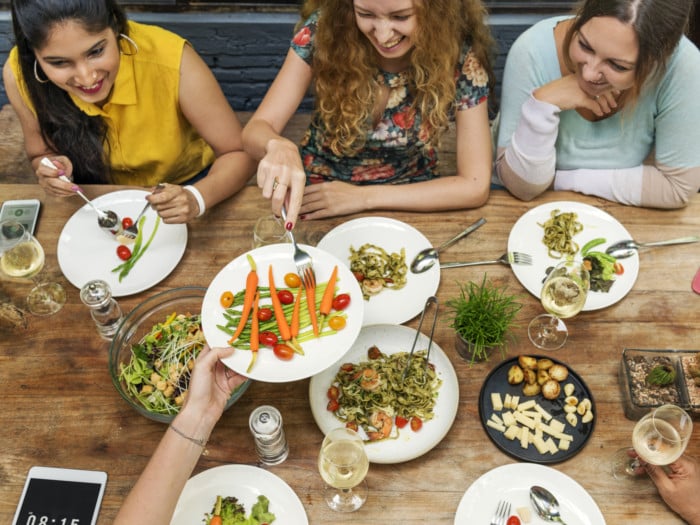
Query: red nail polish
point(303, 217)
point(289, 226)
point(61, 173)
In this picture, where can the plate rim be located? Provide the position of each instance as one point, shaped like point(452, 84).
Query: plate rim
point(118, 290)
point(388, 221)
point(590, 209)
point(547, 459)
point(210, 300)
point(316, 388)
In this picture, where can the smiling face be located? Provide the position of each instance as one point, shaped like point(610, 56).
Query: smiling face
point(604, 53)
point(389, 25)
point(79, 62)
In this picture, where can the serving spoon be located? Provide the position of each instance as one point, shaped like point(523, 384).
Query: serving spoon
point(545, 504)
point(426, 258)
point(623, 249)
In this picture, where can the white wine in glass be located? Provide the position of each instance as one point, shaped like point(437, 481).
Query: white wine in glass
point(343, 464)
point(22, 256)
point(563, 296)
point(659, 438)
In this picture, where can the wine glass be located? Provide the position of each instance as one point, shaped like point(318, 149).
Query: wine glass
point(343, 464)
point(563, 295)
point(659, 438)
point(22, 256)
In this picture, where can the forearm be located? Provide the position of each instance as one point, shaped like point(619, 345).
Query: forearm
point(228, 175)
point(257, 136)
point(526, 165)
point(155, 494)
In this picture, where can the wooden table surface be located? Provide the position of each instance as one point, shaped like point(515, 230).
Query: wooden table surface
point(61, 409)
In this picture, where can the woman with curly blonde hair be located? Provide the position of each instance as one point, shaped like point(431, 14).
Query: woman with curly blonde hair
point(388, 76)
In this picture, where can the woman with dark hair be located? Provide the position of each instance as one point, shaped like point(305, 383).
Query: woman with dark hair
point(112, 101)
point(604, 103)
point(389, 76)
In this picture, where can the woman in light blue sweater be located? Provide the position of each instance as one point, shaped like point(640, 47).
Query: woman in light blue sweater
point(604, 103)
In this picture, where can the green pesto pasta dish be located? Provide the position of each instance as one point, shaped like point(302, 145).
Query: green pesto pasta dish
point(376, 269)
point(372, 397)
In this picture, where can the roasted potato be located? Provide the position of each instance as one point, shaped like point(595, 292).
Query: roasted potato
point(515, 375)
point(558, 372)
point(531, 389)
point(527, 362)
point(542, 376)
point(551, 389)
point(544, 364)
point(530, 376)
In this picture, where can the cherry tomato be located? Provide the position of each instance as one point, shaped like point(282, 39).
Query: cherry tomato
point(123, 252)
point(337, 322)
point(618, 268)
point(333, 405)
point(127, 222)
point(416, 423)
point(359, 276)
point(264, 314)
point(352, 425)
point(285, 296)
point(333, 392)
point(292, 280)
point(268, 338)
point(401, 421)
point(226, 299)
point(341, 301)
point(282, 351)
point(513, 520)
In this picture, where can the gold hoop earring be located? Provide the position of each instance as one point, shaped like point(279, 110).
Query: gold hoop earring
point(130, 41)
point(36, 74)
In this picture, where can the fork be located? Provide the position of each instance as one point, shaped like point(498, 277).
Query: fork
point(507, 259)
point(132, 231)
point(302, 259)
point(501, 513)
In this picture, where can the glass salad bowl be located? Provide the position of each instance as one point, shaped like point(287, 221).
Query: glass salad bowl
point(152, 353)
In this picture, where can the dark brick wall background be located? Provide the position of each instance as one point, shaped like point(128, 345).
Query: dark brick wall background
point(245, 50)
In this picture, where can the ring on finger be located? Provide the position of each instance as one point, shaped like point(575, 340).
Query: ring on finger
point(275, 184)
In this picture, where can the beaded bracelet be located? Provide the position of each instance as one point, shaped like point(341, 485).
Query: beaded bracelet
point(201, 441)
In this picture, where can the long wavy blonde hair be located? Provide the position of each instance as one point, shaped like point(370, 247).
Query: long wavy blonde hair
point(345, 66)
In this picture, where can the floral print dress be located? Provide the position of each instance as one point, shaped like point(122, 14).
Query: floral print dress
point(396, 150)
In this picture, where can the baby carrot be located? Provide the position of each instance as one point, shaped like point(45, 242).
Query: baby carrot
point(216, 518)
point(251, 288)
point(327, 300)
point(254, 332)
point(295, 314)
point(282, 324)
point(311, 303)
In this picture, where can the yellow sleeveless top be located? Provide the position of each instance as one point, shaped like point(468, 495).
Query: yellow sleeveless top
point(149, 139)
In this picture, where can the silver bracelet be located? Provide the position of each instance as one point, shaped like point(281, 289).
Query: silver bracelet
point(201, 441)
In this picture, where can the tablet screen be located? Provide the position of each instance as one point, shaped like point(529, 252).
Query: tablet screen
point(58, 502)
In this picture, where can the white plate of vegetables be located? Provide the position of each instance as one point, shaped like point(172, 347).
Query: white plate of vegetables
point(246, 484)
point(273, 363)
point(86, 252)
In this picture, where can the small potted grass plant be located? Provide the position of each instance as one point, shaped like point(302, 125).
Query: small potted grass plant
point(482, 316)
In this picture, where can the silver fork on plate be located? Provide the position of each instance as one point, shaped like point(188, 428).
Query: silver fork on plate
point(302, 259)
point(507, 259)
point(501, 513)
point(132, 231)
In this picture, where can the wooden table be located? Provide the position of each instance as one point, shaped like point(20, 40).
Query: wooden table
point(60, 408)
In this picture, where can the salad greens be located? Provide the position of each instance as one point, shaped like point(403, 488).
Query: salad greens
point(233, 513)
point(601, 266)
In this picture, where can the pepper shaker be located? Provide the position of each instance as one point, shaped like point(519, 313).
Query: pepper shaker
point(104, 309)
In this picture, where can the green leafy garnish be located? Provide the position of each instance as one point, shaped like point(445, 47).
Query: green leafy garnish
point(138, 250)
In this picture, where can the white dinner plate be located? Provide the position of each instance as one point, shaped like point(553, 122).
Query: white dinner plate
point(318, 353)
point(245, 483)
point(526, 236)
point(391, 339)
point(86, 252)
point(512, 483)
point(388, 306)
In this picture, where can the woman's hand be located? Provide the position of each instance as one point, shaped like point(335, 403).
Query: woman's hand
point(282, 178)
point(174, 204)
point(48, 178)
point(679, 486)
point(331, 199)
point(566, 93)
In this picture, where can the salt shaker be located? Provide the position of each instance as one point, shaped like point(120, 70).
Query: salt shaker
point(105, 311)
point(270, 442)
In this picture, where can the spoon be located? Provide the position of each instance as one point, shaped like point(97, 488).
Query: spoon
point(107, 219)
point(426, 258)
point(623, 249)
point(545, 504)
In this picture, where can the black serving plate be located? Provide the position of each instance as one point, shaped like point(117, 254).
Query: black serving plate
point(497, 381)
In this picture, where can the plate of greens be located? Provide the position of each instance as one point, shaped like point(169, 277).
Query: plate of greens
point(592, 224)
point(245, 483)
point(86, 252)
